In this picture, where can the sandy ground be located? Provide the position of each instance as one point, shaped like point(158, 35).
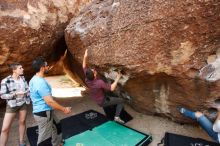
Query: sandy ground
point(156, 126)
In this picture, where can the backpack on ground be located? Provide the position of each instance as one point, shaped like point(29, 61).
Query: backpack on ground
point(171, 139)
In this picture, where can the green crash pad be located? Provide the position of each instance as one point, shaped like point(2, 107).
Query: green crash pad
point(107, 134)
point(87, 138)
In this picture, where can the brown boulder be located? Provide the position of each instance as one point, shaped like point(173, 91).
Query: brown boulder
point(160, 45)
point(33, 28)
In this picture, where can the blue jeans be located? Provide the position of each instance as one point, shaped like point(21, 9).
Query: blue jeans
point(204, 122)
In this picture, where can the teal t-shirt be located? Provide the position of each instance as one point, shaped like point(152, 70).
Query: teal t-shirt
point(38, 89)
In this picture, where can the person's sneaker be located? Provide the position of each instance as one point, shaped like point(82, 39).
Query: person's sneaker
point(62, 142)
point(119, 120)
point(182, 110)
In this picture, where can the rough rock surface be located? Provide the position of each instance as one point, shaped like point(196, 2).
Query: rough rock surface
point(160, 45)
point(32, 28)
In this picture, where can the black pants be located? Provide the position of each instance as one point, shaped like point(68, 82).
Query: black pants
point(108, 101)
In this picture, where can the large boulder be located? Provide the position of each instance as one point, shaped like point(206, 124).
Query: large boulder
point(160, 46)
point(33, 28)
